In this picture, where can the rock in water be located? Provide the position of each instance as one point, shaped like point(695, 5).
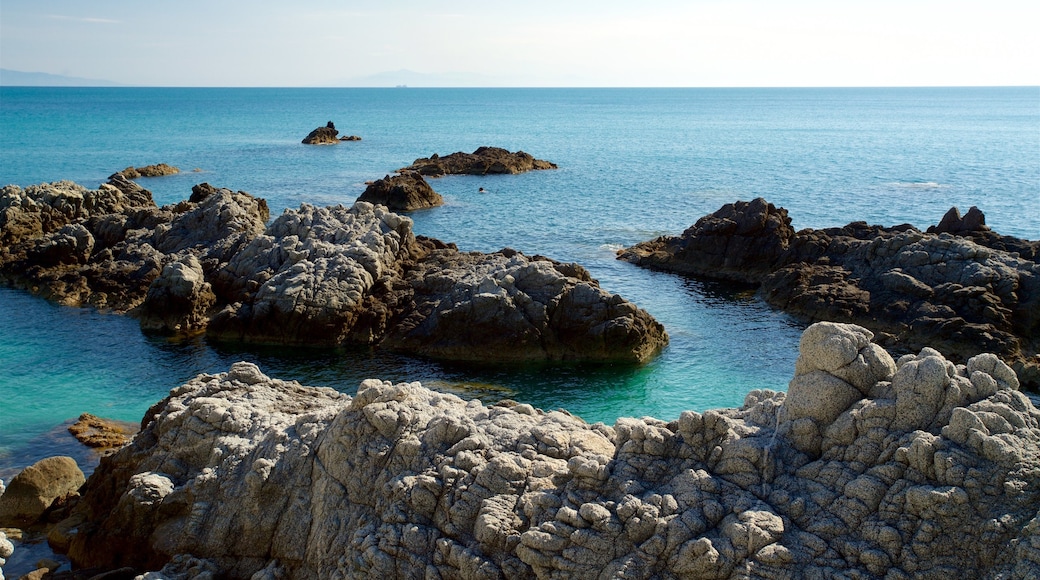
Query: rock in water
point(33, 490)
point(868, 467)
point(963, 294)
point(316, 276)
point(483, 161)
point(322, 135)
point(157, 170)
point(405, 192)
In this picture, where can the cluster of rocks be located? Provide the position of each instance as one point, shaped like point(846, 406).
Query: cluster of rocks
point(483, 161)
point(327, 135)
point(157, 170)
point(868, 467)
point(407, 191)
point(314, 276)
point(959, 287)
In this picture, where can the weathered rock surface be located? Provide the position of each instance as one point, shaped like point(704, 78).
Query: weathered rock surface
point(407, 191)
point(157, 170)
point(99, 433)
point(322, 135)
point(867, 467)
point(106, 247)
point(483, 161)
point(36, 488)
point(961, 288)
point(316, 276)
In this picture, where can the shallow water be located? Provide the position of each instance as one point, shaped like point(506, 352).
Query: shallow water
point(634, 164)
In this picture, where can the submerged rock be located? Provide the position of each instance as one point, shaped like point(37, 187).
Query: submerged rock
point(867, 467)
point(405, 192)
point(315, 276)
point(483, 161)
point(961, 288)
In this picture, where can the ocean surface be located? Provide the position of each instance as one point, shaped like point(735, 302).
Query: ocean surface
point(633, 164)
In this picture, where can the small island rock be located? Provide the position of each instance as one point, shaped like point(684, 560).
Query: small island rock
point(403, 192)
point(322, 135)
point(483, 161)
point(158, 170)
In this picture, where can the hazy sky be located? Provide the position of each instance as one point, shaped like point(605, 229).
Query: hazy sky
point(528, 42)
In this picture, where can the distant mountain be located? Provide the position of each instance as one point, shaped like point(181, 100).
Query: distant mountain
point(14, 78)
point(409, 78)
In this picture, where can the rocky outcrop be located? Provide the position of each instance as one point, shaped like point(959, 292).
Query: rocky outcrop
point(960, 287)
point(36, 488)
point(316, 276)
point(322, 135)
point(404, 192)
point(867, 467)
point(483, 161)
point(157, 170)
point(106, 247)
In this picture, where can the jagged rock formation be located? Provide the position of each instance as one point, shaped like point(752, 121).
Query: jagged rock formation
point(316, 276)
point(483, 161)
point(322, 135)
point(106, 247)
point(867, 467)
point(961, 287)
point(157, 170)
point(407, 191)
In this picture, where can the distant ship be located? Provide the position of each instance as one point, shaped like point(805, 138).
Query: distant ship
point(401, 87)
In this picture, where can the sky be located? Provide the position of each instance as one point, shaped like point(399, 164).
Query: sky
point(687, 43)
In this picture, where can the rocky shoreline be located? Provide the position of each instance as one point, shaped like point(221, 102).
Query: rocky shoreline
point(867, 467)
point(327, 276)
point(959, 287)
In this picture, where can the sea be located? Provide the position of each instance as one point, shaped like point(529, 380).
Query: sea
point(634, 164)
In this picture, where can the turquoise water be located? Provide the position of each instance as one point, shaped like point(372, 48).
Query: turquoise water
point(634, 164)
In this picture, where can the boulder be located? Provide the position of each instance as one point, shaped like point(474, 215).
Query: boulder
point(917, 467)
point(404, 192)
point(959, 287)
point(483, 161)
point(30, 493)
point(322, 135)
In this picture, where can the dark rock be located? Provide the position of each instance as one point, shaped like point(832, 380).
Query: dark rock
point(741, 242)
point(350, 138)
point(483, 161)
point(403, 192)
point(961, 287)
point(158, 170)
point(322, 135)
